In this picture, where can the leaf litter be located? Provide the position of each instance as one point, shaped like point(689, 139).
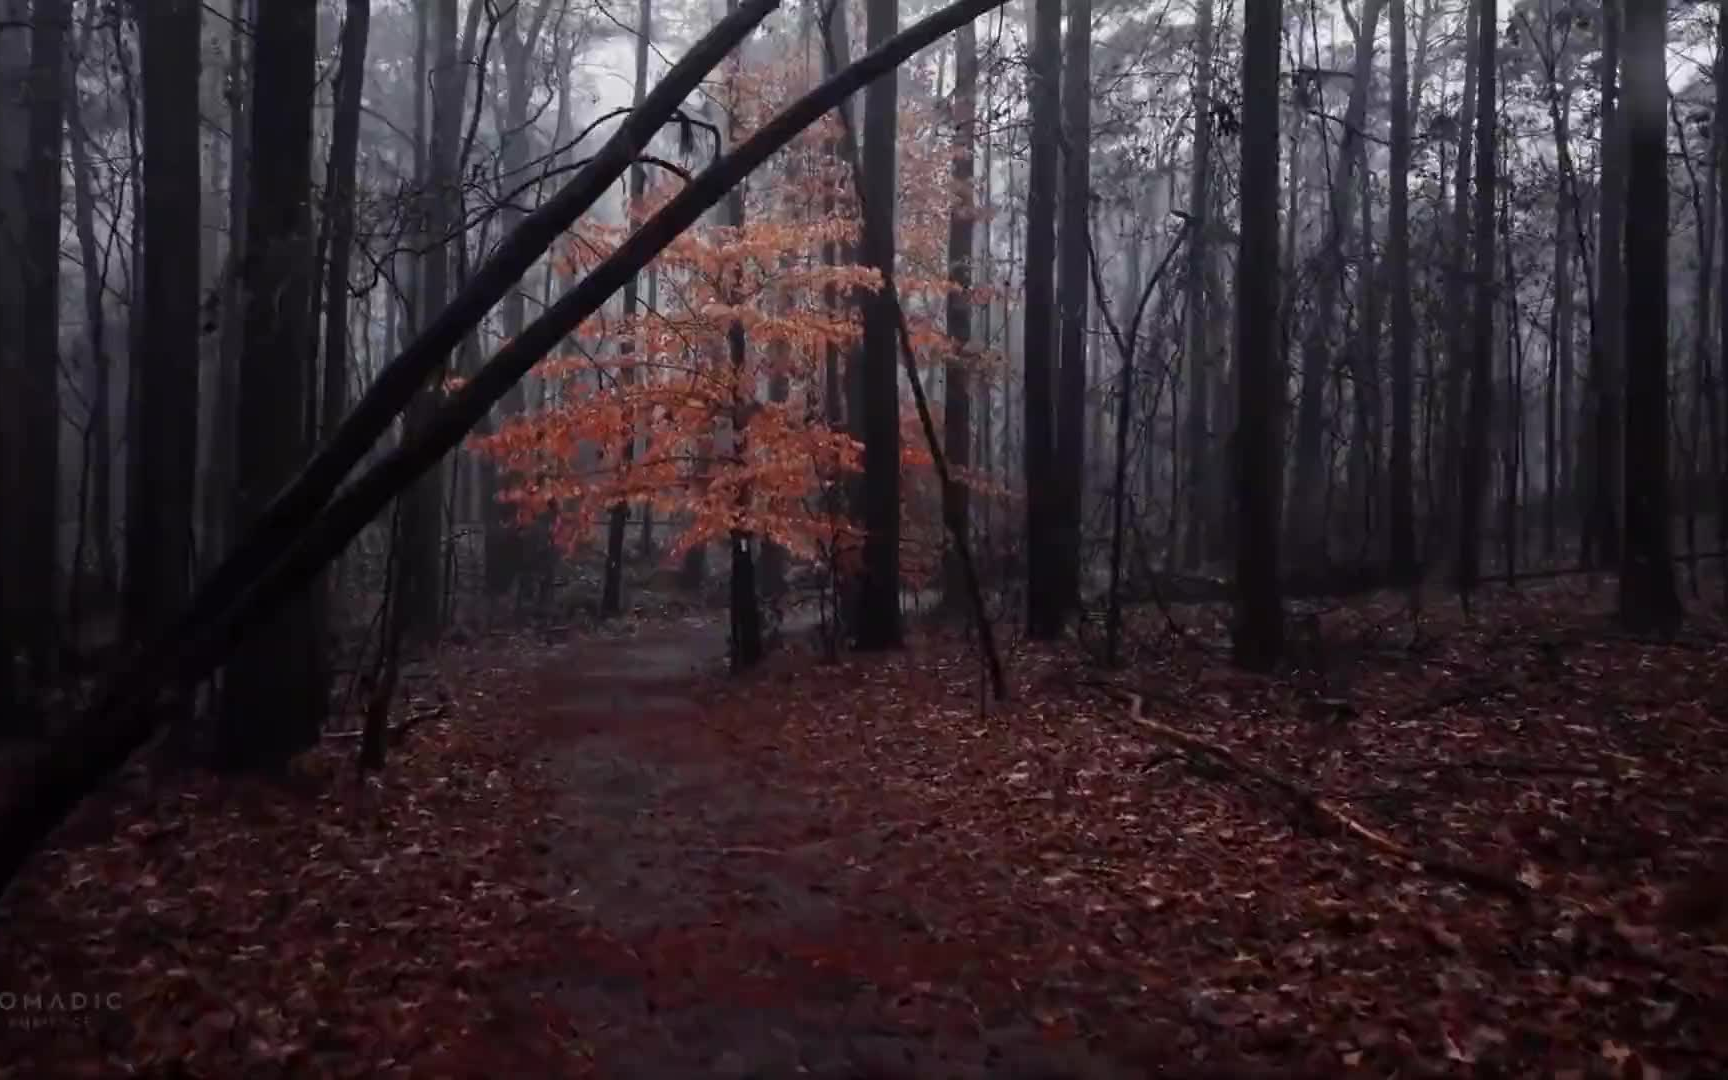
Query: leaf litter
point(829, 869)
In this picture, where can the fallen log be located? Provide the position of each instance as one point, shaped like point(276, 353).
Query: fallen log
point(1324, 810)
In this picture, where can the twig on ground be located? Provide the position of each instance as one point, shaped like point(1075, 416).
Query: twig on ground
point(1324, 810)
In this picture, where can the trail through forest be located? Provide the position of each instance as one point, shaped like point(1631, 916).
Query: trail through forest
point(598, 855)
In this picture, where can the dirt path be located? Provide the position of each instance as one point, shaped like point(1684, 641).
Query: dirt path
point(713, 938)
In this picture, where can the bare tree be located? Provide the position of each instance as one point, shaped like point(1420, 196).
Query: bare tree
point(1076, 101)
point(1259, 623)
point(1649, 600)
point(1044, 608)
point(273, 695)
point(1403, 482)
point(879, 596)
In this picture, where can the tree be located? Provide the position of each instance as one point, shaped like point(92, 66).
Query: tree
point(273, 694)
point(39, 368)
point(1607, 346)
point(1076, 209)
point(1649, 600)
point(1258, 633)
point(1402, 554)
point(1307, 519)
point(339, 210)
point(1198, 354)
point(1475, 472)
point(879, 597)
point(1044, 609)
point(957, 396)
point(164, 377)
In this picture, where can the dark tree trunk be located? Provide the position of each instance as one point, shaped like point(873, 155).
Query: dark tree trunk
point(1076, 103)
point(39, 505)
point(1402, 553)
point(879, 595)
point(957, 393)
point(1044, 610)
point(339, 210)
point(1199, 351)
point(1259, 620)
point(1475, 472)
point(164, 373)
point(1649, 600)
point(274, 697)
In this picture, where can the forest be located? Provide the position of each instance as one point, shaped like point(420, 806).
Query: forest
point(866, 538)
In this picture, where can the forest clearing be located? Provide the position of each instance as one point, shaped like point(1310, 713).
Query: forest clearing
point(756, 538)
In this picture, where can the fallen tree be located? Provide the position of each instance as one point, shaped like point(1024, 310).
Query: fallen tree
point(302, 540)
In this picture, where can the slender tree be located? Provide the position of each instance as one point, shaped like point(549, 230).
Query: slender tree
point(1076, 102)
point(612, 585)
point(1402, 554)
point(1198, 355)
point(1607, 353)
point(339, 210)
point(957, 390)
point(39, 504)
point(1475, 473)
point(1043, 505)
point(879, 598)
point(1649, 600)
point(1258, 633)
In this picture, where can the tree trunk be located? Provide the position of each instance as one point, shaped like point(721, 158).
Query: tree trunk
point(1044, 608)
point(612, 587)
point(1199, 351)
point(958, 398)
point(99, 442)
point(1475, 473)
point(1457, 296)
point(39, 550)
point(1402, 551)
point(164, 379)
point(1649, 601)
point(1258, 633)
point(957, 392)
point(1602, 538)
point(216, 506)
point(1307, 521)
point(879, 597)
point(1075, 297)
point(419, 567)
point(274, 699)
point(339, 210)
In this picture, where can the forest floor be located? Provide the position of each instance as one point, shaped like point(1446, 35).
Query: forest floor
point(1494, 846)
